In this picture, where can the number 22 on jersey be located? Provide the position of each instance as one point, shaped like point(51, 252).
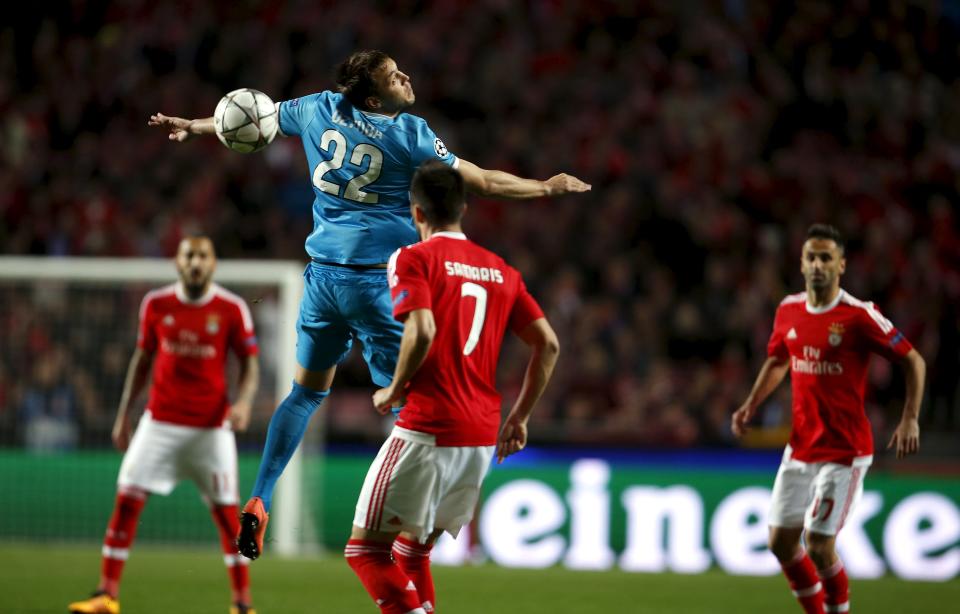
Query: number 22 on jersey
point(333, 139)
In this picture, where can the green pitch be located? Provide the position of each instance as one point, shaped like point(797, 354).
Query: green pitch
point(41, 578)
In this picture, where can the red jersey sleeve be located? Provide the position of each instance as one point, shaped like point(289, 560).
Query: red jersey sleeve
point(409, 282)
point(525, 309)
point(776, 347)
point(881, 335)
point(243, 339)
point(147, 334)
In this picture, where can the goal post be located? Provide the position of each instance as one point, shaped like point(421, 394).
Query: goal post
point(31, 274)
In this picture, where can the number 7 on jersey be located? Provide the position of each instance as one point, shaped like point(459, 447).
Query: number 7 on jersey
point(479, 314)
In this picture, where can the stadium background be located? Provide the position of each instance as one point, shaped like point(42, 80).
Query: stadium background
point(713, 133)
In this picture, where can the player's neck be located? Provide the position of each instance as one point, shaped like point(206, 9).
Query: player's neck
point(429, 232)
point(193, 294)
point(823, 297)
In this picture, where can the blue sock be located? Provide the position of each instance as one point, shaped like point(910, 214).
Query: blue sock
point(287, 427)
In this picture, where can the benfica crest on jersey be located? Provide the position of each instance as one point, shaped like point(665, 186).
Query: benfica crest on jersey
point(213, 323)
point(836, 334)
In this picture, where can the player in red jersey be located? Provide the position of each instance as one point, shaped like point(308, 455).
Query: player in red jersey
point(186, 331)
point(825, 337)
point(456, 301)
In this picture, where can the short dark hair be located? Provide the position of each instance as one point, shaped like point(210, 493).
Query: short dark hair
point(826, 231)
point(439, 191)
point(355, 76)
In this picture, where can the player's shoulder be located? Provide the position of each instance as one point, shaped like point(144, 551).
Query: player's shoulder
point(848, 300)
point(416, 129)
point(867, 311)
point(151, 298)
point(793, 301)
point(226, 296)
point(225, 300)
point(403, 257)
point(411, 122)
point(314, 98)
point(491, 256)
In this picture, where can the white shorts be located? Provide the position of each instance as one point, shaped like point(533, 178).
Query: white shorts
point(415, 486)
point(816, 496)
point(161, 454)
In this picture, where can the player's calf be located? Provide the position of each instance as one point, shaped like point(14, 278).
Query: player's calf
point(414, 559)
point(387, 585)
point(804, 582)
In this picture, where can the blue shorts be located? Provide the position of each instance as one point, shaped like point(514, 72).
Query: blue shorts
point(339, 305)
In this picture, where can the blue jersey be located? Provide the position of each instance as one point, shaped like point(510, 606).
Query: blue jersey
point(361, 165)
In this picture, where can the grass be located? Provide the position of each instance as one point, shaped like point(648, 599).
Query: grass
point(44, 578)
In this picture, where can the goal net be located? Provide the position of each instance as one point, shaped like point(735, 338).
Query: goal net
point(68, 327)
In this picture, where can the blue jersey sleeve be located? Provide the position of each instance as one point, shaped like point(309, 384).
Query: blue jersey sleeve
point(428, 146)
point(297, 113)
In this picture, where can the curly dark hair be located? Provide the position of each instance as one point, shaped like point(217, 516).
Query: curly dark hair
point(355, 76)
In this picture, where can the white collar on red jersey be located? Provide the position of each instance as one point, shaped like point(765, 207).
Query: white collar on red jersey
point(825, 308)
point(449, 234)
point(200, 302)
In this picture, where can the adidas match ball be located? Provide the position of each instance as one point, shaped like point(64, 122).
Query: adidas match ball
point(245, 120)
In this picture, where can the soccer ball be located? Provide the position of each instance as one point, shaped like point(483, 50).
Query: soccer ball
point(245, 120)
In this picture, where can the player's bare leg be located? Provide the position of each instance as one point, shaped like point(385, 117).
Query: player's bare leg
point(414, 559)
point(798, 567)
point(836, 586)
point(287, 427)
point(369, 555)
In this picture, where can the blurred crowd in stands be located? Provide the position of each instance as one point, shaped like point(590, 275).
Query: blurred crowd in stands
point(713, 133)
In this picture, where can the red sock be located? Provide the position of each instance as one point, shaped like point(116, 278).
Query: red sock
point(227, 518)
point(837, 588)
point(120, 533)
point(414, 560)
point(385, 582)
point(805, 583)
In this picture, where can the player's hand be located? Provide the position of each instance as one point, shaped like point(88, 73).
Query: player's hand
point(240, 416)
point(180, 129)
point(121, 433)
point(565, 184)
point(906, 438)
point(385, 398)
point(512, 438)
point(739, 422)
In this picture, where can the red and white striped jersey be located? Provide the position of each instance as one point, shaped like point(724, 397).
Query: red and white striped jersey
point(475, 297)
point(190, 340)
point(829, 350)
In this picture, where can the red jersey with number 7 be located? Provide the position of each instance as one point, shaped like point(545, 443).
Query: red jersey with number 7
point(829, 350)
point(475, 297)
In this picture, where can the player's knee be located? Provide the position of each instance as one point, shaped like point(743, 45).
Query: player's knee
point(821, 549)
point(784, 547)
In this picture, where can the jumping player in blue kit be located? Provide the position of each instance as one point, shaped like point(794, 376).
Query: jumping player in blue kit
point(362, 149)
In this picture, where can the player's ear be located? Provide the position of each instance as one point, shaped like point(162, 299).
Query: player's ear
point(843, 265)
point(418, 215)
point(373, 103)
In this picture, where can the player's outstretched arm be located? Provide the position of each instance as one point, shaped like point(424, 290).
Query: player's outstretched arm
point(137, 374)
point(182, 129)
point(546, 348)
point(419, 329)
point(501, 184)
point(906, 437)
point(246, 391)
point(772, 372)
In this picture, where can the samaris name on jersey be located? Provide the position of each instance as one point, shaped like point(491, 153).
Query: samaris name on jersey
point(474, 273)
